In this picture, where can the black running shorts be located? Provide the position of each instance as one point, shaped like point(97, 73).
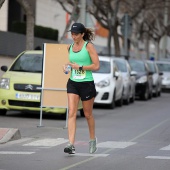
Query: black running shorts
point(86, 90)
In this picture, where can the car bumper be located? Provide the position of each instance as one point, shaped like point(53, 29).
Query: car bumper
point(140, 88)
point(103, 96)
point(165, 84)
point(11, 101)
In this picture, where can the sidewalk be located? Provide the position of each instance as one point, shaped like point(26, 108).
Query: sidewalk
point(9, 134)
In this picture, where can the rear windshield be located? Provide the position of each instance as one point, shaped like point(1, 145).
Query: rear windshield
point(164, 67)
point(104, 67)
point(28, 63)
point(138, 66)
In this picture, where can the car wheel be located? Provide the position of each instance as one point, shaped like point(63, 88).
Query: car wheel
point(126, 101)
point(156, 93)
point(120, 101)
point(159, 93)
point(3, 111)
point(145, 96)
point(64, 116)
point(132, 99)
point(82, 113)
point(150, 95)
point(112, 105)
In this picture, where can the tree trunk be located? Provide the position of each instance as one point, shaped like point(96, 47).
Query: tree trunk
point(30, 33)
point(116, 41)
point(109, 43)
point(147, 46)
point(30, 23)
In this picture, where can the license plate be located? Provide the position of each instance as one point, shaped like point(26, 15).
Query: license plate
point(27, 96)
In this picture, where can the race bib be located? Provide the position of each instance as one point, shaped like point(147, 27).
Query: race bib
point(78, 74)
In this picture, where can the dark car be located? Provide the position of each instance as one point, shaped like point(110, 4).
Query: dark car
point(144, 80)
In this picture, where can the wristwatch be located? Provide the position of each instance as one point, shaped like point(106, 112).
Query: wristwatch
point(80, 68)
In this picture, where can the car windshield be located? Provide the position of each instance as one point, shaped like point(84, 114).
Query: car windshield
point(28, 63)
point(164, 67)
point(138, 66)
point(104, 67)
point(151, 67)
point(121, 65)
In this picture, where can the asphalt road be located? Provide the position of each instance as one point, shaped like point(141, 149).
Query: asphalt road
point(133, 137)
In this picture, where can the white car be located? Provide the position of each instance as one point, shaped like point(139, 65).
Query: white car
point(157, 79)
point(164, 67)
point(129, 80)
point(109, 83)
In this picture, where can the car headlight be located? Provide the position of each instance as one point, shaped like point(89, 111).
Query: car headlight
point(142, 79)
point(103, 83)
point(167, 78)
point(4, 83)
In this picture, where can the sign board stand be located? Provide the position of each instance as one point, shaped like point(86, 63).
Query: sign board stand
point(53, 90)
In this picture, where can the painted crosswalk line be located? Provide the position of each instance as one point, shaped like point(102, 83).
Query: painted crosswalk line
point(166, 148)
point(88, 154)
point(15, 153)
point(158, 157)
point(47, 142)
point(115, 144)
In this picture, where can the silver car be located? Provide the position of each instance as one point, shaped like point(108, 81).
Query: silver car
point(129, 80)
point(164, 67)
point(157, 79)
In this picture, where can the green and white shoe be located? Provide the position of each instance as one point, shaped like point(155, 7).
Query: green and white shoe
point(92, 145)
point(70, 149)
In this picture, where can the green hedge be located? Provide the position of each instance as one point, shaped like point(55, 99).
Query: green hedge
point(39, 31)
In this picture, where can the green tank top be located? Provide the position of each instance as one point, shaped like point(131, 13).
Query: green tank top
point(82, 58)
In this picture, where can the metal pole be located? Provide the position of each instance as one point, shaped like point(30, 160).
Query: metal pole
point(126, 35)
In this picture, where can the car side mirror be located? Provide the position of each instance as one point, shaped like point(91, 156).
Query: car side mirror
point(117, 74)
point(161, 73)
point(133, 73)
point(150, 73)
point(4, 68)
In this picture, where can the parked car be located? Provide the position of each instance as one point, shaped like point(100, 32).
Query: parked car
point(164, 67)
point(129, 79)
point(20, 85)
point(144, 78)
point(109, 83)
point(157, 79)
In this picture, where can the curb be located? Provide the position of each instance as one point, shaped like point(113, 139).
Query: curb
point(9, 134)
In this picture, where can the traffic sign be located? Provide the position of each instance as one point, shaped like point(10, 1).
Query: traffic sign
point(126, 26)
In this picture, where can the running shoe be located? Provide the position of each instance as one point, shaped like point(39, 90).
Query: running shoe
point(92, 145)
point(70, 149)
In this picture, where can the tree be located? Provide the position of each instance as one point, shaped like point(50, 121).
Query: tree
point(30, 21)
point(74, 13)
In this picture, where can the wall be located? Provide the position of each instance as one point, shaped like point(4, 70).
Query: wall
point(11, 44)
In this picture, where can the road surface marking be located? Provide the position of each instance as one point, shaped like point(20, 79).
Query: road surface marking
point(158, 157)
point(15, 153)
point(115, 144)
point(166, 148)
point(47, 142)
point(88, 154)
